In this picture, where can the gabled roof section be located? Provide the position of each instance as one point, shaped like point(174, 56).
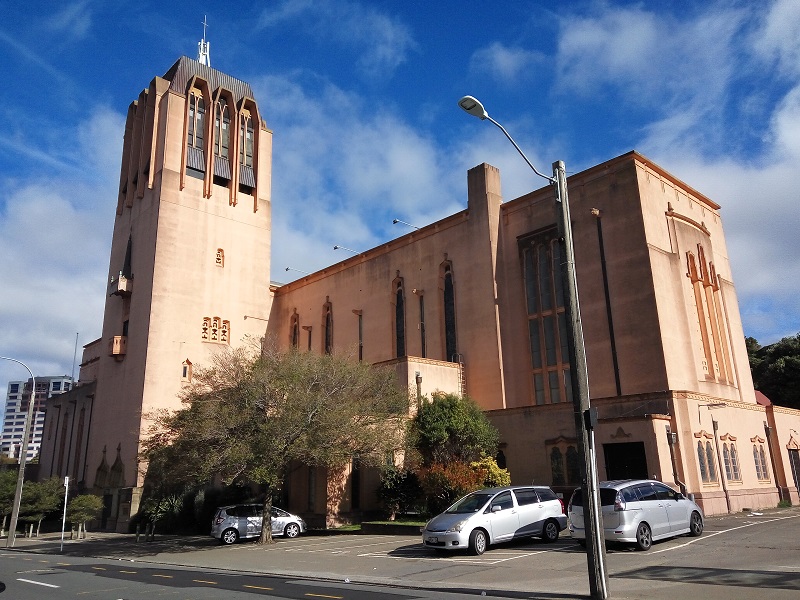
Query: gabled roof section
point(182, 72)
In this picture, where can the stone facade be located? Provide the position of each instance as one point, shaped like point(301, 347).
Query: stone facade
point(469, 304)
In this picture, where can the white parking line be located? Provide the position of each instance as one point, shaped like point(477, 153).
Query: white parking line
point(50, 585)
point(705, 537)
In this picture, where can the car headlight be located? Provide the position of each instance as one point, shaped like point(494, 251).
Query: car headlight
point(456, 528)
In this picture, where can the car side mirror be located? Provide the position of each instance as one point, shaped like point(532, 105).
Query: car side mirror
point(496, 508)
point(679, 496)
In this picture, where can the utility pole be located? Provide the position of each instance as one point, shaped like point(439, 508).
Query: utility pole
point(585, 416)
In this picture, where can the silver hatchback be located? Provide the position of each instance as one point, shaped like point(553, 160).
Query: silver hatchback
point(496, 515)
point(241, 521)
point(638, 511)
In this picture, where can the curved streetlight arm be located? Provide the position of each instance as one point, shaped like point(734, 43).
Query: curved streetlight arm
point(23, 456)
point(521, 153)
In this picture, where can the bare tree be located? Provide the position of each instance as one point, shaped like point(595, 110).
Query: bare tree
point(255, 410)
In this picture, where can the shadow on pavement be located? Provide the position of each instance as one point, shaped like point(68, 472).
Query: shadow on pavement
point(711, 576)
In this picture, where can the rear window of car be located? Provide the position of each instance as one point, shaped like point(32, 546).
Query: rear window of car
point(608, 497)
point(526, 497)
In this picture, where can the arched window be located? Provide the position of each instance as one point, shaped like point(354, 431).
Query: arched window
point(573, 466)
point(701, 459)
point(206, 331)
point(219, 260)
point(327, 327)
point(197, 115)
point(763, 458)
point(726, 457)
point(215, 324)
point(399, 319)
point(246, 139)
point(712, 468)
point(225, 332)
point(557, 466)
point(295, 330)
point(735, 471)
point(222, 129)
point(449, 297)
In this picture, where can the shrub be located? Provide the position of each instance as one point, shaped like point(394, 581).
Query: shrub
point(443, 484)
point(399, 491)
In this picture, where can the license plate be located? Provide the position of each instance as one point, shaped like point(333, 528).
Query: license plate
point(433, 540)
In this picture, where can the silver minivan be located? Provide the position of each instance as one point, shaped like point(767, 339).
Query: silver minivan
point(638, 511)
point(242, 521)
point(496, 515)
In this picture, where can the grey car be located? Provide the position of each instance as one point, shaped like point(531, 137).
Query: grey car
point(242, 521)
point(496, 515)
point(638, 511)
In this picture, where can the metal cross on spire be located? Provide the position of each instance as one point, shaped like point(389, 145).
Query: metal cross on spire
point(203, 47)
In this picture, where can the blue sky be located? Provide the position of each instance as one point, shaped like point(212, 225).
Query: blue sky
point(361, 94)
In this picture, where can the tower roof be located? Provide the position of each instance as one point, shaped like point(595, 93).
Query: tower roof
point(185, 68)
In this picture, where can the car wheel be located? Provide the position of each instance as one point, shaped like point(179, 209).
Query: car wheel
point(478, 542)
point(644, 537)
point(550, 531)
point(695, 524)
point(229, 536)
point(292, 530)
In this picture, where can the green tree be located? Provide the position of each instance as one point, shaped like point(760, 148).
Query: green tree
point(452, 428)
point(776, 370)
point(254, 411)
point(492, 474)
point(8, 487)
point(399, 490)
point(83, 508)
point(40, 499)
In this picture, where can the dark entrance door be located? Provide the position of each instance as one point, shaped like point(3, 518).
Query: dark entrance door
point(107, 501)
point(625, 461)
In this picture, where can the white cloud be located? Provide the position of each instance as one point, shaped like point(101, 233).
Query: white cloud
point(73, 19)
point(778, 38)
point(58, 231)
point(504, 63)
point(382, 42)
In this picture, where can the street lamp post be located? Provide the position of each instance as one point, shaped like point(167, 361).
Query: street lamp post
point(585, 415)
point(23, 457)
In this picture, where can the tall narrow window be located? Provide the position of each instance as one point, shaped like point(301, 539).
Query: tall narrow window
point(423, 341)
point(197, 115)
point(195, 154)
point(219, 259)
point(246, 140)
point(557, 466)
point(451, 349)
point(701, 459)
point(327, 327)
point(222, 129)
point(399, 319)
point(712, 468)
point(295, 330)
point(547, 323)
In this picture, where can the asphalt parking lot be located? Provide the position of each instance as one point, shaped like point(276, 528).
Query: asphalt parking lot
point(738, 556)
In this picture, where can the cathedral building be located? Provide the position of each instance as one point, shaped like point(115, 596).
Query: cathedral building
point(471, 304)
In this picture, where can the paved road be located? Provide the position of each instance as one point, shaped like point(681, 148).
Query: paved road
point(738, 556)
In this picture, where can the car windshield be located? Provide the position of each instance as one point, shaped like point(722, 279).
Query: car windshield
point(470, 504)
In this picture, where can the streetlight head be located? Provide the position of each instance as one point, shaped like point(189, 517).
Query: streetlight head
point(395, 222)
point(473, 106)
point(336, 247)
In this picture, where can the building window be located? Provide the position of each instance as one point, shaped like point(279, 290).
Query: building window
point(186, 370)
point(246, 140)
point(215, 330)
point(760, 459)
point(327, 327)
point(222, 129)
point(731, 460)
point(564, 464)
point(399, 318)
point(295, 330)
point(219, 259)
point(547, 321)
point(13, 388)
point(451, 348)
point(705, 457)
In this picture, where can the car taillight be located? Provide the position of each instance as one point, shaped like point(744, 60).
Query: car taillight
point(563, 512)
point(619, 503)
point(219, 520)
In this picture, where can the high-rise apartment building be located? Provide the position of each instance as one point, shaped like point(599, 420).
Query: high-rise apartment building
point(16, 410)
